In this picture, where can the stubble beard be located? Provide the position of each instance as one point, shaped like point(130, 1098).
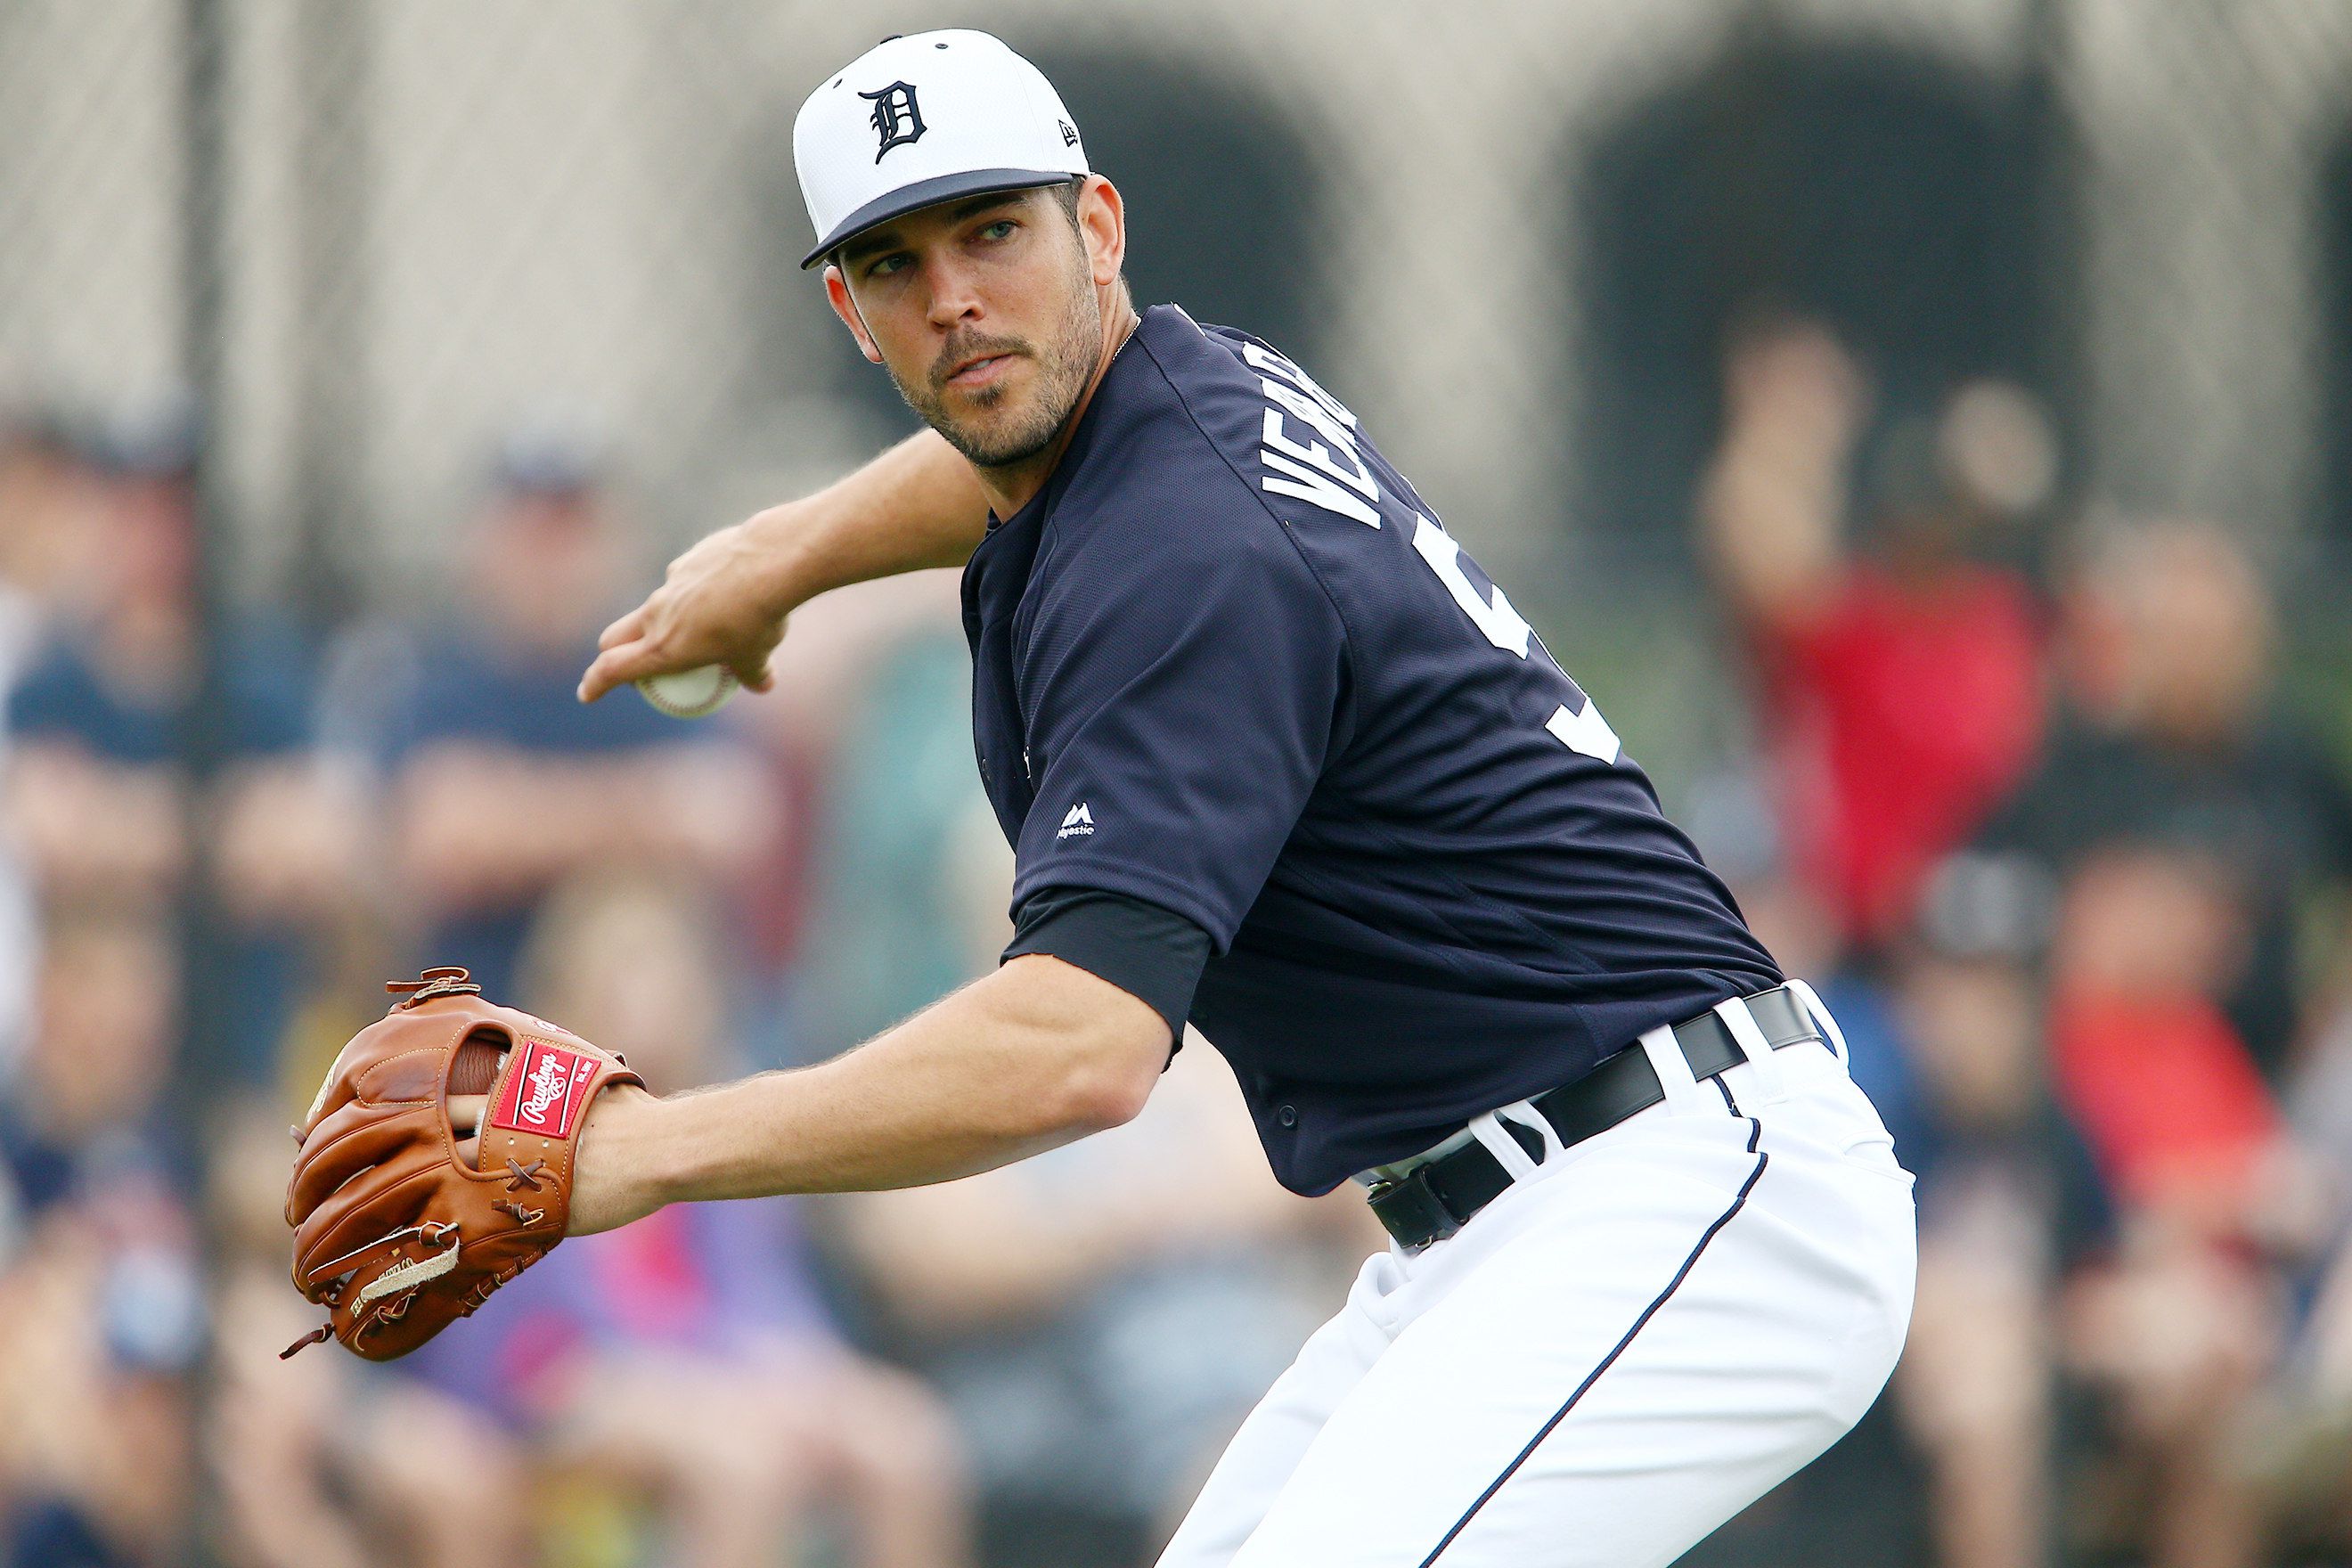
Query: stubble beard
point(1065, 367)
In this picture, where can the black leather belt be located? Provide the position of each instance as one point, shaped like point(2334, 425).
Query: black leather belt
point(1437, 1197)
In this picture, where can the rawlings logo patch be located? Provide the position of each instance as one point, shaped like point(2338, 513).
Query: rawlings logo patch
point(544, 1093)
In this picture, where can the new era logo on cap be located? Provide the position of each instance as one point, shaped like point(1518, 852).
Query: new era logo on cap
point(923, 119)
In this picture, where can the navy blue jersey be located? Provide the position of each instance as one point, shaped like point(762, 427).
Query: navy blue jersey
point(1227, 662)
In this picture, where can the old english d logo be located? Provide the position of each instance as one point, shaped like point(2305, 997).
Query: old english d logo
point(897, 119)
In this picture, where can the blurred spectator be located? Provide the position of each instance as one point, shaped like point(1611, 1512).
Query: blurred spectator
point(2177, 835)
point(324, 1461)
point(100, 1316)
point(2162, 1086)
point(505, 784)
point(1899, 675)
point(95, 790)
point(2005, 1202)
point(1101, 1333)
point(2177, 1322)
point(89, 1104)
point(843, 647)
point(915, 874)
point(270, 1436)
point(47, 492)
point(44, 521)
point(688, 1358)
point(2177, 1335)
point(2169, 741)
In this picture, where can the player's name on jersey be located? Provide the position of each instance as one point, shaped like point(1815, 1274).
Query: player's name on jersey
point(1331, 472)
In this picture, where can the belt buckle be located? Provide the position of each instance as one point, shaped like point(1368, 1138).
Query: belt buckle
point(1408, 1209)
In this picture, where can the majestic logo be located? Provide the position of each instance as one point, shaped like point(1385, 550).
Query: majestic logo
point(1078, 823)
point(543, 1094)
point(897, 119)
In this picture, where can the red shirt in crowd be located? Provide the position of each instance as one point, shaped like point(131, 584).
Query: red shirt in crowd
point(1899, 716)
point(2164, 1092)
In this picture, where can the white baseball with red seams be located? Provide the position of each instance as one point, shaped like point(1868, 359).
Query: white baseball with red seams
point(689, 693)
point(1640, 1337)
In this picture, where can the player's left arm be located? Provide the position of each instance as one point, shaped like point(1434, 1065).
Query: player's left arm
point(1035, 1055)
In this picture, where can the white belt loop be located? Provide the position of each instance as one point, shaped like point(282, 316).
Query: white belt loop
point(1525, 1113)
point(1813, 1001)
point(1752, 1044)
point(1506, 1149)
point(1683, 1096)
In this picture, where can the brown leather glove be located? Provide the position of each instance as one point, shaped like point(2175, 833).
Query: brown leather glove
point(395, 1233)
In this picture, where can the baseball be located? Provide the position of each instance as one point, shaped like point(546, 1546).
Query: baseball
point(689, 693)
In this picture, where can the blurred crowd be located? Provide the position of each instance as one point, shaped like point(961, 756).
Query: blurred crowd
point(2023, 795)
point(2016, 791)
point(1034, 1368)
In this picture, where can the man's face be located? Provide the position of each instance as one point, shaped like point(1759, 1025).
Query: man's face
point(107, 995)
point(985, 313)
point(544, 566)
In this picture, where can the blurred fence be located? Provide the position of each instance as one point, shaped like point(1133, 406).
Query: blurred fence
point(1512, 233)
point(1516, 237)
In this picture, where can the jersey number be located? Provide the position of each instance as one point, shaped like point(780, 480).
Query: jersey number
point(1585, 732)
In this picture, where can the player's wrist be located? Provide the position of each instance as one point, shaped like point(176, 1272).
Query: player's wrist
point(617, 1174)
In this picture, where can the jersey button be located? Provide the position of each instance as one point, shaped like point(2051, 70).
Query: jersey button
point(1287, 1115)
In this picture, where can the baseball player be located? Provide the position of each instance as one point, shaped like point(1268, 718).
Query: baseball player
point(1277, 758)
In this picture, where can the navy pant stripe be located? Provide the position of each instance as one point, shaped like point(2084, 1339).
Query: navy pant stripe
point(1755, 1131)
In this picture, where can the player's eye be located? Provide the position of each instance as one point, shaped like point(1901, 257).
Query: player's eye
point(1001, 229)
point(883, 266)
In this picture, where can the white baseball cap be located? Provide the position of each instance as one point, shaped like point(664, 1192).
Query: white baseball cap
point(926, 117)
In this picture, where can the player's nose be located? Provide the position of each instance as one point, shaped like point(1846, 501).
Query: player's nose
point(954, 295)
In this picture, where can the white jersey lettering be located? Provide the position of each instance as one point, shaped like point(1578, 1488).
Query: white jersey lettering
point(1330, 473)
point(1587, 732)
point(1504, 626)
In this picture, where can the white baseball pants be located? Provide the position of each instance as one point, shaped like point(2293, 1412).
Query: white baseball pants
point(1641, 1336)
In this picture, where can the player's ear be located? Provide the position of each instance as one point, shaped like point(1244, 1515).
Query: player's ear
point(837, 293)
point(1102, 225)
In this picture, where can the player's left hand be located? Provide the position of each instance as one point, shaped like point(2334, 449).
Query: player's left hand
point(607, 1187)
point(437, 1161)
point(608, 1178)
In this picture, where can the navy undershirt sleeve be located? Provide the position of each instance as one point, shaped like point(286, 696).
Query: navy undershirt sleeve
point(1151, 953)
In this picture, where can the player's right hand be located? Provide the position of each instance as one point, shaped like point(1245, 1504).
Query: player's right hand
point(718, 604)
